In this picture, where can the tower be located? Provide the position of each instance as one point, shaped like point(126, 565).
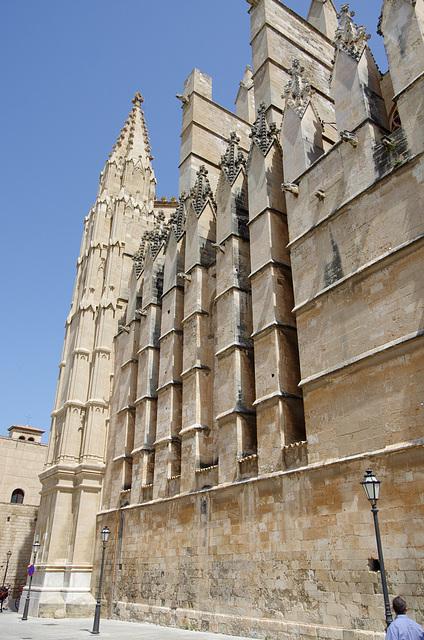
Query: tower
point(72, 479)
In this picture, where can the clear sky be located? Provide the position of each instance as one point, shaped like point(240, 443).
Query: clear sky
point(70, 70)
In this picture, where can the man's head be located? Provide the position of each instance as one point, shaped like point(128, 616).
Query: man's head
point(399, 605)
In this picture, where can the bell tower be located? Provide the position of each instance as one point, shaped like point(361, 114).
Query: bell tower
point(72, 479)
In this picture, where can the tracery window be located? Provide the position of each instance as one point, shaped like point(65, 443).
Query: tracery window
point(395, 122)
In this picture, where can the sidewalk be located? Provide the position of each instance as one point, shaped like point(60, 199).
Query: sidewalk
point(12, 627)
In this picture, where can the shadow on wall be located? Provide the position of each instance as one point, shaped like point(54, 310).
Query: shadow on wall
point(23, 552)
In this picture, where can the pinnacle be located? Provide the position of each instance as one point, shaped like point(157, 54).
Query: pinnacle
point(247, 79)
point(137, 100)
point(133, 141)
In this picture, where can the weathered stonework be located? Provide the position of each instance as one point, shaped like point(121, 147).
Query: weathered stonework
point(267, 350)
point(277, 555)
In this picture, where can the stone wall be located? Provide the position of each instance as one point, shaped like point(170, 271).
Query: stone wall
point(17, 527)
point(21, 462)
point(292, 553)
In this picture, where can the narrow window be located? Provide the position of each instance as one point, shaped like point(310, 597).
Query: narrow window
point(17, 496)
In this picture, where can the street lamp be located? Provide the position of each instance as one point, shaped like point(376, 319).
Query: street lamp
point(372, 489)
point(105, 535)
point(9, 553)
point(35, 547)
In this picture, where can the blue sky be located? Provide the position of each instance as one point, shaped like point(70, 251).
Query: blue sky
point(70, 70)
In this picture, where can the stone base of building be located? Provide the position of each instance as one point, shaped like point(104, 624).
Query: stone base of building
point(196, 620)
point(268, 556)
point(17, 527)
point(60, 594)
point(53, 604)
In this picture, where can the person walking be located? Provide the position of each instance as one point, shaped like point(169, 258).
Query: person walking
point(403, 628)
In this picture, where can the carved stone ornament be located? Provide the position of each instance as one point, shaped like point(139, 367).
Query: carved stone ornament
point(201, 192)
point(349, 37)
point(177, 219)
point(183, 98)
point(351, 138)
point(298, 91)
point(155, 238)
point(262, 134)
point(137, 100)
point(233, 159)
point(291, 187)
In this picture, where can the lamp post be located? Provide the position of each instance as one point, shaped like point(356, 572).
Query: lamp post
point(35, 547)
point(9, 553)
point(105, 535)
point(372, 489)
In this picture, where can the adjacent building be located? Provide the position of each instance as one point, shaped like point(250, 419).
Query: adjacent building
point(22, 459)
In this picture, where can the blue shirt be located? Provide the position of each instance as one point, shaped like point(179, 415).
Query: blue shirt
point(403, 628)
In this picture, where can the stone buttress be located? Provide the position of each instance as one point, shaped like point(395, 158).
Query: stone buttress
point(198, 440)
point(166, 450)
point(356, 235)
point(234, 377)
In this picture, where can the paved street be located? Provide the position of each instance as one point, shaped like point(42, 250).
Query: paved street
point(12, 627)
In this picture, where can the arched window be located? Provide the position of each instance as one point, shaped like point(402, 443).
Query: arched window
point(30, 439)
point(17, 496)
point(21, 437)
point(394, 119)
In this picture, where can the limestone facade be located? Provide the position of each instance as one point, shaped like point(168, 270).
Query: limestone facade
point(22, 458)
point(269, 349)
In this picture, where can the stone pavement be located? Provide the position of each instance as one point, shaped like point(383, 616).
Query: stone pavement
point(12, 627)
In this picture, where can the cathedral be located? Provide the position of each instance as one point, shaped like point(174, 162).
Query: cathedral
point(237, 358)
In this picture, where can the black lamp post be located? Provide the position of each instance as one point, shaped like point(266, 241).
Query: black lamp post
point(105, 535)
point(9, 553)
point(35, 547)
point(372, 490)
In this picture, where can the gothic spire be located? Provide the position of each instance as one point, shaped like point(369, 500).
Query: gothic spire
point(349, 37)
point(154, 238)
point(263, 134)
point(177, 218)
point(233, 159)
point(201, 191)
point(128, 173)
point(133, 141)
point(298, 91)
